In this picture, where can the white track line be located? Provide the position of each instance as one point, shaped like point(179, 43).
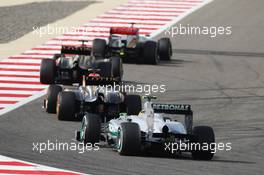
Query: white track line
point(15, 85)
point(25, 101)
point(143, 9)
point(136, 17)
point(67, 42)
point(21, 61)
point(20, 79)
point(43, 51)
point(144, 13)
point(22, 166)
point(19, 67)
point(12, 98)
point(171, 2)
point(18, 92)
point(161, 6)
point(18, 73)
point(122, 25)
point(32, 56)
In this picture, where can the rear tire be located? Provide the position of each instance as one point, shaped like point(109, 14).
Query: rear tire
point(105, 69)
point(92, 132)
point(99, 48)
point(164, 49)
point(47, 71)
point(66, 106)
point(51, 98)
point(133, 104)
point(117, 67)
point(203, 135)
point(150, 52)
point(129, 141)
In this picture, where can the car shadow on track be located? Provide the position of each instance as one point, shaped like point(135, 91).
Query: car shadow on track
point(126, 82)
point(174, 63)
point(217, 52)
point(233, 161)
point(189, 158)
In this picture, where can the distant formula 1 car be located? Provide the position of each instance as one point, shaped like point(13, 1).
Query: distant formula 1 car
point(132, 134)
point(62, 69)
point(73, 103)
point(126, 43)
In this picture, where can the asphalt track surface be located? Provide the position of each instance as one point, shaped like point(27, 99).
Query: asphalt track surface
point(222, 78)
point(18, 20)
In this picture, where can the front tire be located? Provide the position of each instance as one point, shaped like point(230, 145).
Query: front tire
point(91, 129)
point(203, 135)
point(129, 141)
point(66, 106)
point(47, 71)
point(51, 98)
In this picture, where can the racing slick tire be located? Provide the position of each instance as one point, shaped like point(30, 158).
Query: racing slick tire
point(105, 69)
point(150, 52)
point(129, 139)
point(203, 135)
point(133, 104)
point(47, 71)
point(99, 48)
point(51, 98)
point(66, 106)
point(164, 49)
point(117, 68)
point(92, 128)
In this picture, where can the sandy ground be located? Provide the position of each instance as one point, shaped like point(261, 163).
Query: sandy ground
point(19, 2)
point(76, 19)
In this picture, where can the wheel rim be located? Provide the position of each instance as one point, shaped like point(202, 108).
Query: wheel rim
point(83, 129)
point(170, 51)
point(156, 56)
point(119, 140)
point(58, 105)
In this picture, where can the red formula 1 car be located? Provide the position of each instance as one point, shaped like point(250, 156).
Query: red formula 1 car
point(126, 43)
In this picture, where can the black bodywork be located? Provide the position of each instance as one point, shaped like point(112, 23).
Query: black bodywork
point(72, 63)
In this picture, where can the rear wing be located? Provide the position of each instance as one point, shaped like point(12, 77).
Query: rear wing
point(124, 30)
point(101, 81)
point(181, 109)
point(81, 50)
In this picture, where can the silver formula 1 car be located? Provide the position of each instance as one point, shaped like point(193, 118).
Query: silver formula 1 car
point(151, 128)
point(96, 95)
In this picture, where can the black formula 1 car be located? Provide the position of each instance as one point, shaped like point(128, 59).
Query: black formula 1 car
point(73, 62)
point(75, 102)
point(126, 43)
